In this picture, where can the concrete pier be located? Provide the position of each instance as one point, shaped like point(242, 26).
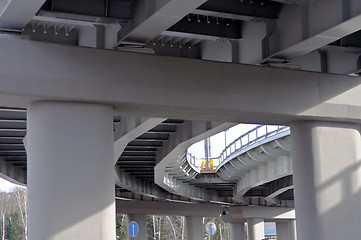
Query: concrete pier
point(71, 171)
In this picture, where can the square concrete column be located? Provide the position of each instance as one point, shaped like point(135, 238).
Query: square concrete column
point(237, 230)
point(70, 171)
point(255, 229)
point(194, 228)
point(141, 220)
point(327, 180)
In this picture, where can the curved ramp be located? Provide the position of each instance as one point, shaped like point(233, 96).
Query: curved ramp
point(261, 160)
point(261, 156)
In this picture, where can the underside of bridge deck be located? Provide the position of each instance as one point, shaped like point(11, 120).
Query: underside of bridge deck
point(176, 72)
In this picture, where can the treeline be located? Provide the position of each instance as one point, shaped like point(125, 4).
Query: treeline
point(13, 222)
point(171, 228)
point(13, 215)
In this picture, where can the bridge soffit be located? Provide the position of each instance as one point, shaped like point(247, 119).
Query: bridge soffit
point(265, 163)
point(175, 180)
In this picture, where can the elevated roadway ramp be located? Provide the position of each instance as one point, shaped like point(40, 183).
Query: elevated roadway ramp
point(259, 167)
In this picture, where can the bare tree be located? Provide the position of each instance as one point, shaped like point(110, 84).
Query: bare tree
point(154, 231)
point(183, 227)
point(3, 210)
point(220, 230)
point(21, 197)
point(159, 226)
point(174, 232)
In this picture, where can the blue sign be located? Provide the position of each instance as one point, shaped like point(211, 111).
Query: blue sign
point(133, 229)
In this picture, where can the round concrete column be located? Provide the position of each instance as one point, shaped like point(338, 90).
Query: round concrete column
point(255, 229)
point(292, 229)
point(237, 231)
point(283, 231)
point(327, 180)
point(141, 220)
point(194, 228)
point(70, 171)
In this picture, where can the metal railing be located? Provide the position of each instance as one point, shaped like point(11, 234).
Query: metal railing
point(251, 137)
point(192, 159)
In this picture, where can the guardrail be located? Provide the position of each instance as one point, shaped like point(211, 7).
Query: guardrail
point(251, 137)
point(191, 159)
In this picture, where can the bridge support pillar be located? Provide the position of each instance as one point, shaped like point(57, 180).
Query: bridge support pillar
point(237, 231)
point(327, 179)
point(70, 171)
point(286, 230)
point(282, 230)
point(255, 228)
point(194, 228)
point(141, 220)
point(292, 229)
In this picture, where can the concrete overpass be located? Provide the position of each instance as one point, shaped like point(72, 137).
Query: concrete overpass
point(99, 85)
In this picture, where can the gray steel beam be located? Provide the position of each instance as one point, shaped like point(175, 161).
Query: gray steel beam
point(10, 172)
point(271, 213)
point(312, 25)
point(154, 17)
point(131, 128)
point(182, 88)
point(199, 25)
point(220, 15)
point(265, 10)
point(15, 14)
point(168, 208)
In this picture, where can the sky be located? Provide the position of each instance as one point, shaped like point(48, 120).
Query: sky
point(270, 228)
point(220, 140)
point(6, 186)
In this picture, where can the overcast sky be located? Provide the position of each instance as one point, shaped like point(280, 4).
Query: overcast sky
point(6, 186)
point(218, 141)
